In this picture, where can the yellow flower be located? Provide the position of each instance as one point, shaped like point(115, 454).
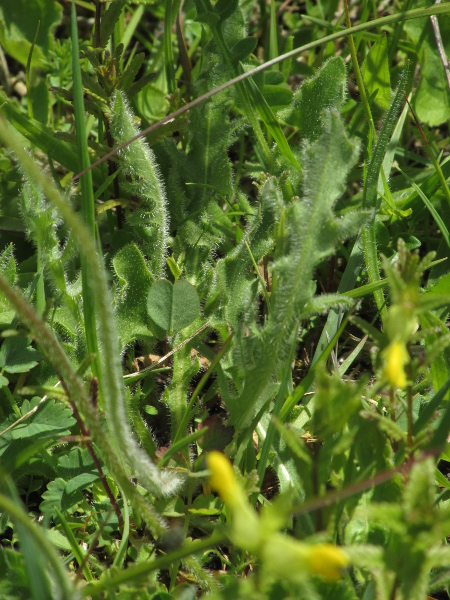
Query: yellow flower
point(327, 561)
point(222, 478)
point(245, 526)
point(396, 356)
point(281, 555)
point(292, 560)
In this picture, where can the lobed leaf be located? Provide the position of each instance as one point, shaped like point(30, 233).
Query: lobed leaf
point(149, 223)
point(313, 233)
point(324, 91)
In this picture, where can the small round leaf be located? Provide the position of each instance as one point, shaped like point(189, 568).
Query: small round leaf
point(173, 307)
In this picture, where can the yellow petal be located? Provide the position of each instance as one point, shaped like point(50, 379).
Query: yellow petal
point(396, 356)
point(327, 561)
point(222, 478)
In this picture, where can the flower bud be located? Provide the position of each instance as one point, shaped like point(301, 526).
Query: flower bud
point(282, 556)
point(222, 478)
point(245, 525)
point(289, 559)
point(327, 561)
point(396, 356)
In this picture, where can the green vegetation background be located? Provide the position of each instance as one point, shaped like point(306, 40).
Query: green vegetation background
point(264, 273)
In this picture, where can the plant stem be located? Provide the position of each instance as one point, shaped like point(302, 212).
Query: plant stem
point(431, 154)
point(409, 399)
point(360, 81)
point(163, 562)
point(87, 202)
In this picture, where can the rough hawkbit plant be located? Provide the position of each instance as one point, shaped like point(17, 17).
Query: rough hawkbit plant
point(224, 295)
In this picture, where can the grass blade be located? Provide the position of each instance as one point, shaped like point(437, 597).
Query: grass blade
point(87, 204)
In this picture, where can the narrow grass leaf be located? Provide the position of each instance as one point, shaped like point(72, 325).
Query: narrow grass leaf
point(371, 190)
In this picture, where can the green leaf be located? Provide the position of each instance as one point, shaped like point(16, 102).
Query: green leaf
point(18, 21)
point(8, 268)
point(43, 137)
point(80, 482)
point(323, 303)
point(57, 496)
point(16, 355)
point(236, 277)
point(243, 48)
point(40, 99)
point(148, 223)
point(277, 96)
point(13, 583)
point(427, 413)
point(419, 494)
point(327, 89)
point(225, 8)
point(442, 285)
point(313, 232)
point(109, 20)
point(174, 268)
point(19, 444)
point(431, 100)
point(8, 264)
point(78, 469)
point(375, 71)
point(210, 19)
point(132, 70)
point(218, 435)
point(370, 193)
point(440, 367)
point(138, 423)
point(206, 505)
point(271, 122)
point(135, 281)
point(200, 177)
point(51, 420)
point(35, 565)
point(334, 403)
point(173, 307)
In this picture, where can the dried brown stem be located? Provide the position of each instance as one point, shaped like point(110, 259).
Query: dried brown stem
point(440, 45)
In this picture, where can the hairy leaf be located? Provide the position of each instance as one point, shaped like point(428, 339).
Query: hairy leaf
point(313, 233)
point(236, 277)
point(325, 90)
point(135, 280)
point(173, 307)
point(148, 223)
